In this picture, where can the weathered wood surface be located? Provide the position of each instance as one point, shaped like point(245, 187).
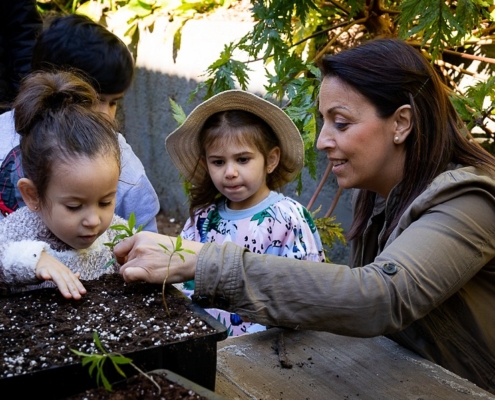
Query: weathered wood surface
point(327, 366)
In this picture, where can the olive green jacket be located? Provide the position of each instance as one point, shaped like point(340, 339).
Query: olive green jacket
point(431, 287)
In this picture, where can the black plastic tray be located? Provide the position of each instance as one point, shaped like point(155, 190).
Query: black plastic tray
point(176, 379)
point(194, 359)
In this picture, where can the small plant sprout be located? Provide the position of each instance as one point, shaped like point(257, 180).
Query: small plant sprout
point(98, 360)
point(127, 231)
point(177, 249)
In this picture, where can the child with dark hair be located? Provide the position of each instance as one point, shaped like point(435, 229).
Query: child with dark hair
point(75, 42)
point(71, 159)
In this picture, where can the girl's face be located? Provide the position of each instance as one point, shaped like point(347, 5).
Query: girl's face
point(359, 143)
point(239, 172)
point(80, 199)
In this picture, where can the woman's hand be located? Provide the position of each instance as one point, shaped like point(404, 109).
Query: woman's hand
point(143, 259)
point(49, 268)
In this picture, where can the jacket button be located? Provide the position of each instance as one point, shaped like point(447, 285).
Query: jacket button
point(202, 301)
point(389, 268)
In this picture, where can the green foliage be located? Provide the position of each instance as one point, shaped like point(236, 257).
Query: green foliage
point(222, 74)
point(177, 112)
point(127, 17)
point(330, 231)
point(96, 362)
point(127, 231)
point(176, 249)
point(291, 37)
point(475, 107)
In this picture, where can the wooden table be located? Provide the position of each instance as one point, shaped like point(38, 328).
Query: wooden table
point(327, 366)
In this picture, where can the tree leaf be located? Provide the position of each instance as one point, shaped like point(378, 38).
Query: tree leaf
point(177, 112)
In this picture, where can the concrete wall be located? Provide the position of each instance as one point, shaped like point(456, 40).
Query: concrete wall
point(148, 116)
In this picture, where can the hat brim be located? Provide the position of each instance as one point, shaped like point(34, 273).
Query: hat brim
point(182, 144)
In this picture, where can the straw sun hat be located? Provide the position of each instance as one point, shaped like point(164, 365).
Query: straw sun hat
point(182, 144)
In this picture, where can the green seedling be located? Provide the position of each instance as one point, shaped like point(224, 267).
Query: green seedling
point(127, 231)
point(97, 361)
point(177, 249)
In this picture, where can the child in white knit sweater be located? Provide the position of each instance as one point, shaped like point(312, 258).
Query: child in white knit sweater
point(71, 161)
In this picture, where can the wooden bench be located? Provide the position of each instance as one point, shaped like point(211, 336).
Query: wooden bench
point(327, 366)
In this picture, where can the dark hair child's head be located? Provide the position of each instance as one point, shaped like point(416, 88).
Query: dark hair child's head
point(236, 127)
point(56, 118)
point(77, 42)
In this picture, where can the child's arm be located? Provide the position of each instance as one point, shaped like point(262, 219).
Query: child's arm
point(26, 262)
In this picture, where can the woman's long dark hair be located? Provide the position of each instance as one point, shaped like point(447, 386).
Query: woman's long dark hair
point(390, 73)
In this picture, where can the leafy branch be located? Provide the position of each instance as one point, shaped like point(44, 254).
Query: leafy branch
point(96, 362)
point(177, 249)
point(127, 18)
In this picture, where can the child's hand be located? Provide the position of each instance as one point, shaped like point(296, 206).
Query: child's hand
point(49, 268)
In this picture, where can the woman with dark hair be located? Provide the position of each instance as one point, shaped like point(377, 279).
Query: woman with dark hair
point(422, 269)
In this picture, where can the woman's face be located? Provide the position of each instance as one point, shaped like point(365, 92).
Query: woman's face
point(359, 143)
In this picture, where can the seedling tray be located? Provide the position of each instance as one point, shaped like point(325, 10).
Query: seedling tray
point(126, 388)
point(193, 358)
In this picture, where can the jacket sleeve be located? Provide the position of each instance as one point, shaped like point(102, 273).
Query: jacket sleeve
point(435, 256)
point(20, 249)
point(135, 192)
point(18, 262)
point(141, 199)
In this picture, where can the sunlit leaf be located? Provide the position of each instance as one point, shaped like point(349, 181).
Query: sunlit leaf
point(177, 112)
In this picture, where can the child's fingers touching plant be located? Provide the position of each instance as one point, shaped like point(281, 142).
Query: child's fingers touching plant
point(49, 268)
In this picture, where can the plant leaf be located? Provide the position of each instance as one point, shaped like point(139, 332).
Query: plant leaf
point(177, 112)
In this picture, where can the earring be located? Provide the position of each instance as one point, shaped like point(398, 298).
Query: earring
point(396, 139)
point(35, 207)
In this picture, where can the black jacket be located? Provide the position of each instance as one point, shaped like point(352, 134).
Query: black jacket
point(20, 24)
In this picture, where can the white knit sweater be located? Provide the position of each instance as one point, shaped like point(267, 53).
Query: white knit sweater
point(23, 236)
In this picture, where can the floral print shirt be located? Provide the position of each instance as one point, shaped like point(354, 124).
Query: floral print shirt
point(278, 225)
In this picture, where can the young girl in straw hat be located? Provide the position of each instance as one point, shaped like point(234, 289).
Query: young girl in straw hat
point(236, 150)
